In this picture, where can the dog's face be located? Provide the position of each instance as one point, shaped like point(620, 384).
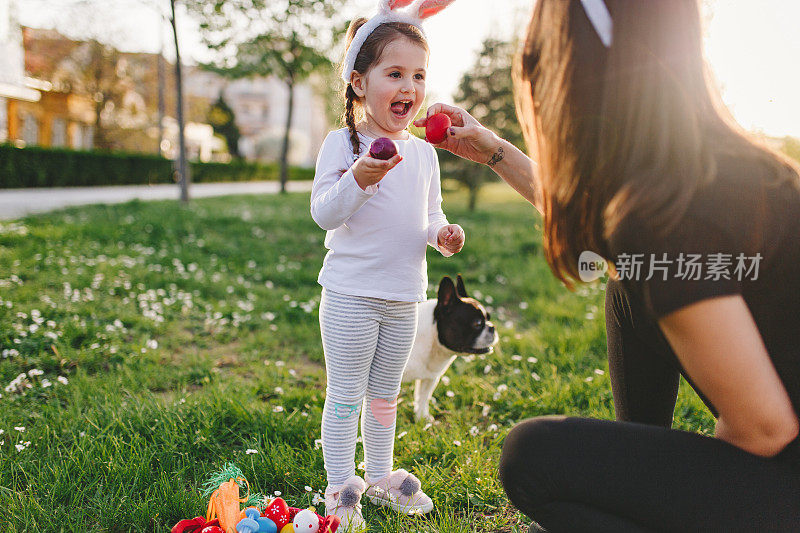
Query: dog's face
point(462, 322)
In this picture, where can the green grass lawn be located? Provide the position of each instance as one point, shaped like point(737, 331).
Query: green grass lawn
point(145, 345)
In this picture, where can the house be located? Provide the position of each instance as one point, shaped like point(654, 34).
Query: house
point(13, 87)
point(260, 108)
point(32, 111)
point(85, 94)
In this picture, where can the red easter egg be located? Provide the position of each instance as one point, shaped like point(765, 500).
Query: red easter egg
point(278, 512)
point(383, 148)
point(436, 128)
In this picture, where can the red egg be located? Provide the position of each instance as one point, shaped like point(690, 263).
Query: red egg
point(383, 148)
point(278, 512)
point(436, 128)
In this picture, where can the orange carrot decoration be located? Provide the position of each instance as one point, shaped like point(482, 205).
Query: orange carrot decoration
point(224, 496)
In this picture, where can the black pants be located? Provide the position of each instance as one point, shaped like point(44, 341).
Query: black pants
point(635, 475)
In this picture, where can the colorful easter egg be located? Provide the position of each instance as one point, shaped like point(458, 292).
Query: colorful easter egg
point(306, 521)
point(265, 525)
point(278, 512)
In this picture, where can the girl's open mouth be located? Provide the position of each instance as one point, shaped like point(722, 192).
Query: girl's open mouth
point(401, 108)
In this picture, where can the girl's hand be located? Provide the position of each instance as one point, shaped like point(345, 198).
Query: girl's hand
point(369, 171)
point(467, 138)
point(451, 238)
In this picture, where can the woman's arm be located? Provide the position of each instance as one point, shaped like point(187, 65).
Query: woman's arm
point(719, 346)
point(470, 140)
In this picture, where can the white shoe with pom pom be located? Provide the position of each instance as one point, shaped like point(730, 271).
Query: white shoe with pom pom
point(344, 501)
point(400, 491)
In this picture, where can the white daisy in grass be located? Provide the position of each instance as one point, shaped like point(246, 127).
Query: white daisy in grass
point(318, 444)
point(21, 429)
point(492, 428)
point(401, 435)
point(308, 489)
point(277, 409)
point(532, 360)
point(445, 381)
point(487, 369)
point(535, 376)
point(362, 465)
point(62, 380)
point(516, 357)
point(317, 499)
point(251, 451)
point(449, 394)
point(589, 379)
point(456, 443)
point(474, 431)
point(599, 372)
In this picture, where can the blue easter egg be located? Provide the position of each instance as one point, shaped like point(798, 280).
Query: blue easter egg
point(266, 525)
point(247, 525)
point(252, 513)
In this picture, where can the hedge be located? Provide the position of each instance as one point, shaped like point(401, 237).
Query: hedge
point(58, 167)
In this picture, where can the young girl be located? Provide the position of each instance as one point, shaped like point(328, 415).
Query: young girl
point(379, 216)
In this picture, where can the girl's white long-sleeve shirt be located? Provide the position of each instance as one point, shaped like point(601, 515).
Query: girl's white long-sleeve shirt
point(377, 237)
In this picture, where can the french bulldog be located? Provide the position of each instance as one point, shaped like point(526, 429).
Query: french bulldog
point(452, 324)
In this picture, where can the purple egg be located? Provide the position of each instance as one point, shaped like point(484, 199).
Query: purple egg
point(383, 148)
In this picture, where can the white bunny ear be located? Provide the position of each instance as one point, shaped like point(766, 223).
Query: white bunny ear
point(396, 4)
point(428, 8)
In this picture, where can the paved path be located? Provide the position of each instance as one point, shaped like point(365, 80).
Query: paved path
point(15, 203)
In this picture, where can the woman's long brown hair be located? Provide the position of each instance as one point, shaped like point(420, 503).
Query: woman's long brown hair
point(633, 128)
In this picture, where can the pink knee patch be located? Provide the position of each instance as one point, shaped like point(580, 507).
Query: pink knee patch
point(384, 412)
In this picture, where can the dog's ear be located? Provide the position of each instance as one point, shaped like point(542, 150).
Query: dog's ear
point(462, 291)
point(447, 292)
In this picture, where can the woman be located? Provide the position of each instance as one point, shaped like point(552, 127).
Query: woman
point(639, 162)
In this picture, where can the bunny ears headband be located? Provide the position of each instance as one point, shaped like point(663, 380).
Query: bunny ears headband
point(600, 18)
point(388, 11)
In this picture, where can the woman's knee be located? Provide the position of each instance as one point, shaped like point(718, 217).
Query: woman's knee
point(530, 452)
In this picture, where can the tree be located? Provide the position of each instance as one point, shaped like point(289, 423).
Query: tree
point(791, 147)
point(288, 39)
point(487, 93)
point(222, 119)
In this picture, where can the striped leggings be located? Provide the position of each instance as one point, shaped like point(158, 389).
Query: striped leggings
point(366, 342)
